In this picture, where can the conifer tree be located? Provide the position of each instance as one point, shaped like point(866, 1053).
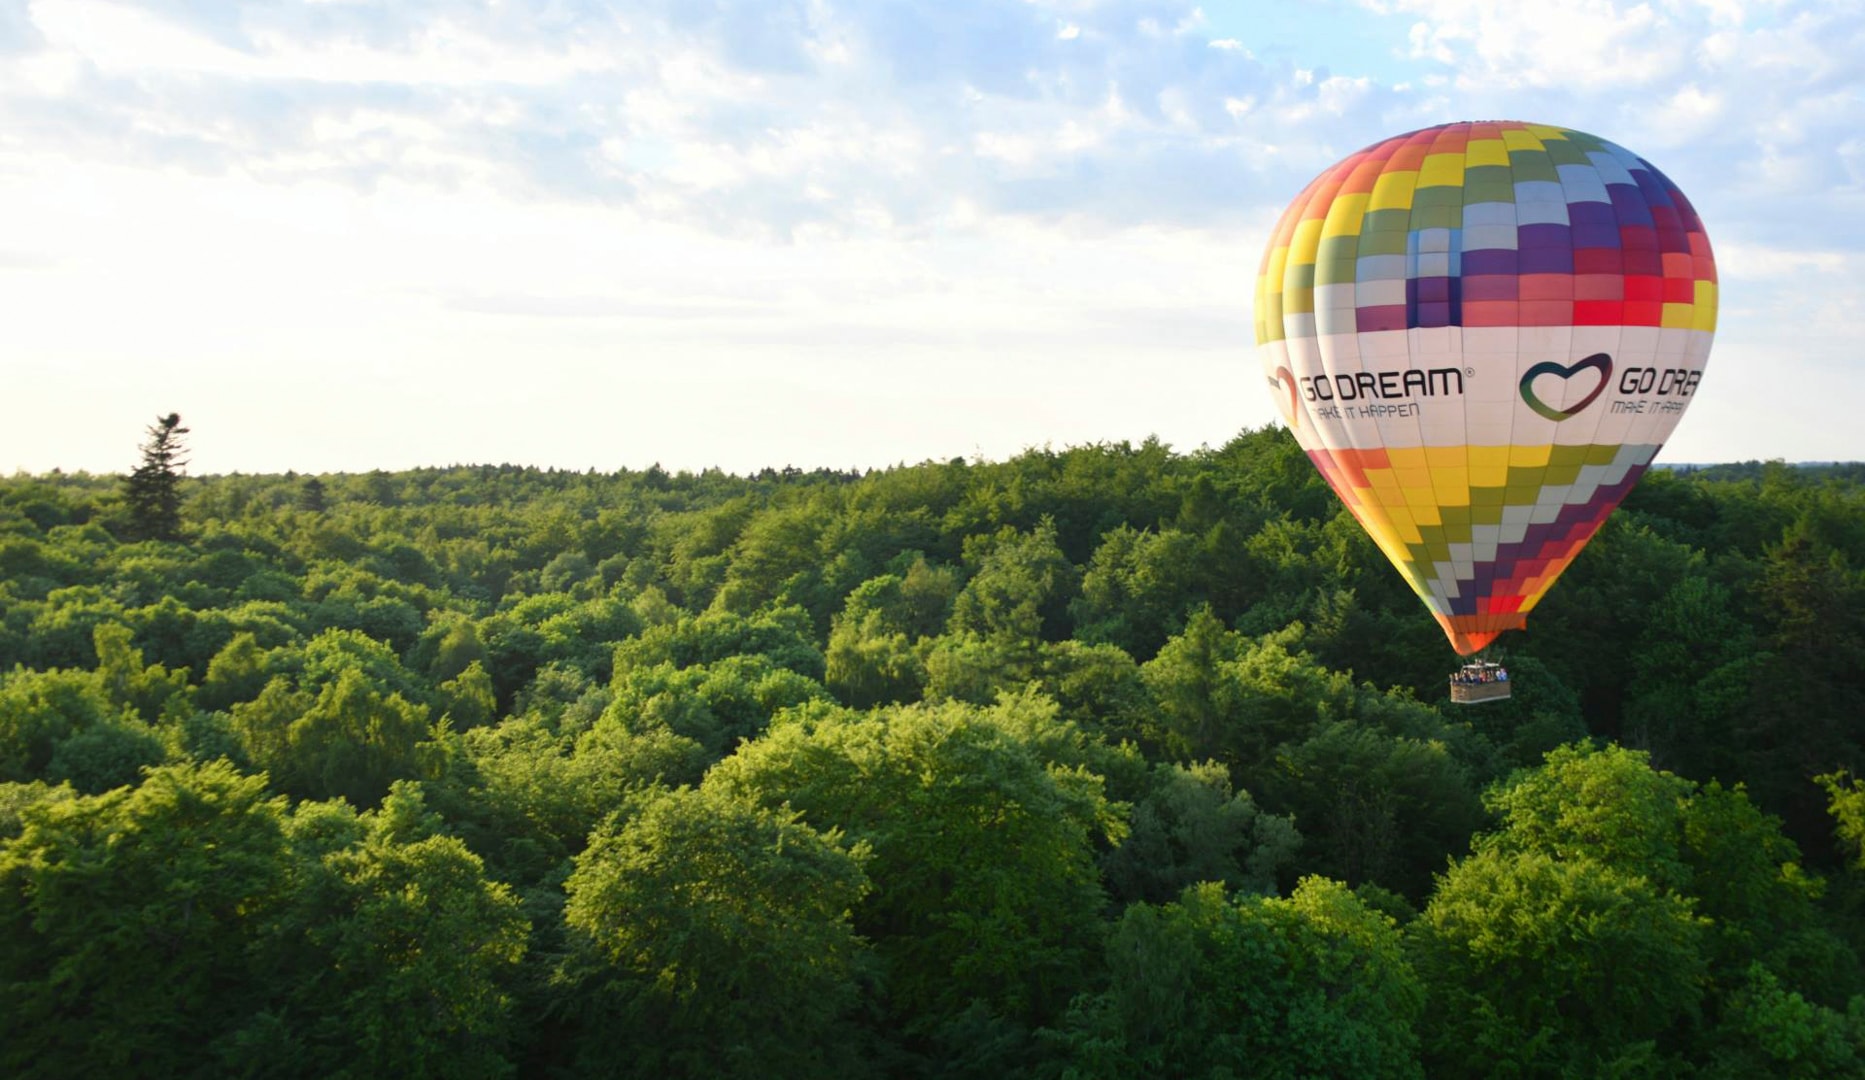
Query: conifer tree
point(153, 491)
point(313, 496)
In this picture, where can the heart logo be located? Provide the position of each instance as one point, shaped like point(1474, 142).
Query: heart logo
point(1285, 377)
point(1598, 361)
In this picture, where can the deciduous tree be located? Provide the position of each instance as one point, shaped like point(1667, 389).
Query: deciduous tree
point(1314, 985)
point(714, 939)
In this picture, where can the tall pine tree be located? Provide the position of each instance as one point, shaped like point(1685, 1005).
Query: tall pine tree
point(312, 496)
point(153, 491)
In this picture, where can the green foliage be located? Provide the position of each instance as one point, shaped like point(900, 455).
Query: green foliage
point(1139, 588)
point(870, 659)
point(713, 938)
point(469, 700)
point(717, 705)
point(109, 755)
point(1616, 913)
point(1708, 843)
point(777, 558)
point(1847, 806)
point(128, 917)
point(405, 955)
point(41, 709)
point(1694, 664)
point(566, 571)
point(15, 798)
point(1188, 684)
point(349, 740)
point(1191, 828)
point(238, 673)
point(191, 926)
point(1375, 808)
point(1039, 697)
point(1098, 687)
point(985, 883)
point(1555, 967)
point(147, 691)
point(1768, 1030)
point(333, 654)
point(1315, 985)
point(449, 645)
point(783, 636)
point(525, 797)
point(1020, 590)
point(152, 493)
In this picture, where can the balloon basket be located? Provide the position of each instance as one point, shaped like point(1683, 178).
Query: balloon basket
point(1479, 681)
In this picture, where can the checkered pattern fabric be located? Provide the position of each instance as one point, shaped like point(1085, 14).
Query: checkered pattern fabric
point(1482, 333)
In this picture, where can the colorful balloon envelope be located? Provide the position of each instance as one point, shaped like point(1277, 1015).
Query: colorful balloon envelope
point(1481, 333)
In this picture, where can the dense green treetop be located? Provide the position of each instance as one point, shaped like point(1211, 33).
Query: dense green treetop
point(1104, 761)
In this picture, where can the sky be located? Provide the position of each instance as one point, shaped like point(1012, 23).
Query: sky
point(344, 235)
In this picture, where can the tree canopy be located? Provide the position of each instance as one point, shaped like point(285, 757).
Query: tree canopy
point(1105, 761)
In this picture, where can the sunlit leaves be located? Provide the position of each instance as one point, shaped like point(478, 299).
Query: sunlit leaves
point(718, 940)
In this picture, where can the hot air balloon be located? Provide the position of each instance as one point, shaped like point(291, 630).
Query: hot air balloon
point(1481, 333)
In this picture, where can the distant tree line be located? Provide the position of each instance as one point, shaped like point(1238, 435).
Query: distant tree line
point(1102, 762)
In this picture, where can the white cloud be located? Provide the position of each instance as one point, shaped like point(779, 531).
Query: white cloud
point(1760, 263)
point(737, 100)
point(1339, 94)
point(119, 38)
point(766, 193)
point(1597, 42)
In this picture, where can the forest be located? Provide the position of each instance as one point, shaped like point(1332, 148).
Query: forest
point(1104, 762)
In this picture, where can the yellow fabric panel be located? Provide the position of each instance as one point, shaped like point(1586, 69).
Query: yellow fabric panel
point(1278, 263)
point(1305, 242)
point(1442, 170)
point(1453, 486)
point(1486, 152)
point(1489, 465)
point(1678, 317)
point(1345, 216)
point(1386, 537)
point(1529, 457)
point(1703, 312)
point(1393, 191)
